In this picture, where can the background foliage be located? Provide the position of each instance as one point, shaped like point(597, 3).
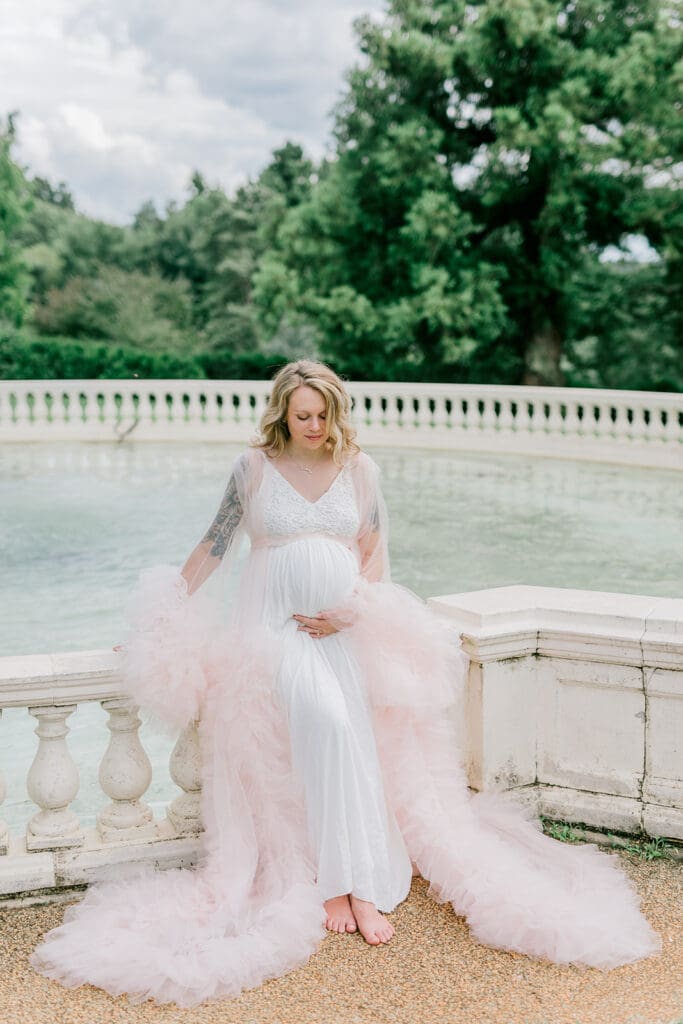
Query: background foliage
point(488, 157)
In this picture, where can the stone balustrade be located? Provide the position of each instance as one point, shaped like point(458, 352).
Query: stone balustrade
point(574, 699)
point(633, 427)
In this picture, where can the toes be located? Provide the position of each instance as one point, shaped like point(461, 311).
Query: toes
point(351, 926)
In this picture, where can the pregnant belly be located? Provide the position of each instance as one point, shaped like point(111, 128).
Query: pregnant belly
point(310, 575)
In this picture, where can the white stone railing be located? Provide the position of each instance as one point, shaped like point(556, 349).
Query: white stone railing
point(574, 698)
point(638, 427)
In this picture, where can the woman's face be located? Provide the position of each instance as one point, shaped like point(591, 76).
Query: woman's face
point(306, 418)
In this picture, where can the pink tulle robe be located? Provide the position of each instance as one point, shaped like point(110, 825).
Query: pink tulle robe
point(251, 908)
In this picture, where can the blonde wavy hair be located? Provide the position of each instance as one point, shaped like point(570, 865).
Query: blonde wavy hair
point(273, 429)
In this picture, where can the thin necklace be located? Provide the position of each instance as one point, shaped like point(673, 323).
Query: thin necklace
point(299, 465)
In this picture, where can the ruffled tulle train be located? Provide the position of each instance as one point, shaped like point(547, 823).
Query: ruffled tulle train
point(250, 909)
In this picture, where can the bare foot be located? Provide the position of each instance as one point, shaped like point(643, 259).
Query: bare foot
point(374, 928)
point(339, 915)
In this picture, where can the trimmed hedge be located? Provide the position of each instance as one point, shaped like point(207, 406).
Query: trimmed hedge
point(54, 358)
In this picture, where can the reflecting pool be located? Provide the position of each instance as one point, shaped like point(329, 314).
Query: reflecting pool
point(78, 521)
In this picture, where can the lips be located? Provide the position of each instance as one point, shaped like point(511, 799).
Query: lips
point(315, 437)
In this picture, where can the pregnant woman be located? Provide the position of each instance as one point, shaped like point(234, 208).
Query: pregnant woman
point(324, 697)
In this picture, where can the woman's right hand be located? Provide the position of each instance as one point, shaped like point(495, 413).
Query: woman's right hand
point(118, 647)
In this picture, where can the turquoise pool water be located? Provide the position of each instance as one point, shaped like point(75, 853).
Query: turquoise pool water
point(78, 521)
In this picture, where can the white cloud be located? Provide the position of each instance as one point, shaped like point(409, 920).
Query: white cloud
point(123, 100)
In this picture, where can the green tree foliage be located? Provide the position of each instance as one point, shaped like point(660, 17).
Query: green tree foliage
point(624, 331)
point(485, 150)
point(13, 205)
point(57, 195)
point(142, 310)
point(488, 155)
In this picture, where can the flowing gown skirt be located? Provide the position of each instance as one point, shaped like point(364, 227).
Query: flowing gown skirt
point(357, 845)
point(328, 765)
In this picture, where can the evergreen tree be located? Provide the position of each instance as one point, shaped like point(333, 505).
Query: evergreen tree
point(485, 149)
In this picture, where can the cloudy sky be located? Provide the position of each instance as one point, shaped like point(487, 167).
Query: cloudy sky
point(122, 99)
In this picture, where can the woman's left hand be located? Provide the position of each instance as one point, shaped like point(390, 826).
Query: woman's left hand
point(316, 625)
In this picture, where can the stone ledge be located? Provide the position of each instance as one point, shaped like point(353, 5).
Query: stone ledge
point(515, 621)
point(23, 873)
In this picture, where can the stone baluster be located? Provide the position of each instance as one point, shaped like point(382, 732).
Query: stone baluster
point(246, 412)
point(87, 405)
point(527, 414)
point(600, 419)
point(672, 430)
point(393, 416)
point(170, 408)
point(112, 407)
point(125, 773)
point(189, 409)
point(239, 413)
point(184, 812)
point(620, 428)
point(152, 403)
point(52, 783)
point(199, 405)
point(18, 409)
point(146, 404)
point(370, 409)
point(212, 409)
point(487, 419)
point(633, 430)
point(429, 420)
point(103, 408)
point(259, 406)
point(423, 417)
point(572, 422)
point(638, 428)
point(4, 831)
point(641, 430)
point(656, 430)
point(440, 417)
point(236, 413)
point(32, 404)
point(129, 410)
point(68, 406)
point(51, 400)
point(618, 421)
point(459, 419)
point(554, 423)
point(506, 421)
point(416, 412)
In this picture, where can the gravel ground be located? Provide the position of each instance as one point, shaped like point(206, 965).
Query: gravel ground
point(431, 972)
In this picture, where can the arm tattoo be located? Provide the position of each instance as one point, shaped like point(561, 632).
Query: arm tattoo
point(374, 516)
point(226, 521)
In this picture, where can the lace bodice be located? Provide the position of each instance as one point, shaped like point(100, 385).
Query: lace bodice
point(287, 512)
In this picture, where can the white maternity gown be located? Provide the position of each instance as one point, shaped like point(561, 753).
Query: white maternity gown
point(328, 766)
point(357, 844)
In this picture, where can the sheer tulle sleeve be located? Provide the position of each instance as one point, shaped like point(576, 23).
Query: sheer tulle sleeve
point(220, 536)
point(373, 537)
point(174, 615)
point(408, 656)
